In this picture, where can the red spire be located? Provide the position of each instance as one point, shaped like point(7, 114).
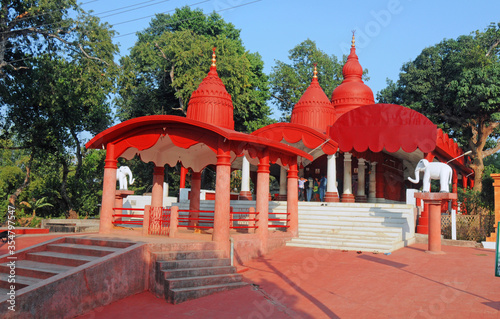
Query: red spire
point(314, 108)
point(353, 92)
point(211, 103)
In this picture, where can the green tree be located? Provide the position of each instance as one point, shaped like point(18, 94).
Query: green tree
point(290, 80)
point(29, 28)
point(34, 204)
point(59, 94)
point(456, 83)
point(171, 58)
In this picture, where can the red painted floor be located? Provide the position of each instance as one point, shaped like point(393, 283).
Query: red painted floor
point(313, 283)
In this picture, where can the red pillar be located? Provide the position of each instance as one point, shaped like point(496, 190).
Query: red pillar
point(434, 201)
point(183, 177)
point(262, 200)
point(157, 191)
point(464, 182)
point(423, 221)
point(292, 199)
point(194, 202)
point(222, 196)
point(108, 190)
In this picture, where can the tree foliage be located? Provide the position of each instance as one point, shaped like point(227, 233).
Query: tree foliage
point(173, 55)
point(53, 94)
point(456, 83)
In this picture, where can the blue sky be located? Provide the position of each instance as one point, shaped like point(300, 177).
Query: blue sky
point(389, 32)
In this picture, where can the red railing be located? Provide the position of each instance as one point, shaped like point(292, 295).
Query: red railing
point(195, 222)
point(283, 221)
point(251, 221)
point(118, 218)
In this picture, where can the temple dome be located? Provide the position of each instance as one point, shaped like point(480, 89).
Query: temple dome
point(353, 92)
point(211, 103)
point(314, 108)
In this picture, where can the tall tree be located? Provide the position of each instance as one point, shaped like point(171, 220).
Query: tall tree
point(58, 94)
point(172, 57)
point(29, 27)
point(290, 80)
point(456, 83)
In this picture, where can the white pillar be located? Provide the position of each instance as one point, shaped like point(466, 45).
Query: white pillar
point(332, 194)
point(331, 174)
point(360, 195)
point(347, 195)
point(372, 186)
point(245, 175)
point(283, 179)
point(245, 193)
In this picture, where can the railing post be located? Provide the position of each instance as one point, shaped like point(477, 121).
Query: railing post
point(174, 221)
point(145, 220)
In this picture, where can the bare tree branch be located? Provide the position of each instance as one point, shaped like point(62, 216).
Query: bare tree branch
point(492, 150)
point(494, 45)
point(171, 73)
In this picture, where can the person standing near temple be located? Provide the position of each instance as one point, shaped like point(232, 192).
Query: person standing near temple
point(322, 187)
point(302, 182)
point(309, 188)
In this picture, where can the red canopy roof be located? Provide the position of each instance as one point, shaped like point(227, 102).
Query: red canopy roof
point(155, 137)
point(384, 126)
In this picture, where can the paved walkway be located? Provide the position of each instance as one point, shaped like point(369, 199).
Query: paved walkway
point(313, 283)
point(296, 282)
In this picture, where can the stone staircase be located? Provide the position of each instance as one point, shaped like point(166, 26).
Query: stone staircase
point(69, 275)
point(55, 259)
point(187, 275)
point(360, 227)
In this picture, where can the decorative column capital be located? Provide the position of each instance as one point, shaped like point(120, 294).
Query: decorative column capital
point(347, 157)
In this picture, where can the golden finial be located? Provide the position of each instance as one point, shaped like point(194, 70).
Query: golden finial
point(352, 42)
point(213, 56)
point(315, 73)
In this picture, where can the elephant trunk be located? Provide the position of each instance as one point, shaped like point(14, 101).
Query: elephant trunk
point(417, 177)
point(130, 179)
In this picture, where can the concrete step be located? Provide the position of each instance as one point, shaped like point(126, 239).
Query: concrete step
point(343, 243)
point(7, 280)
point(201, 271)
point(311, 228)
point(349, 223)
point(346, 236)
point(60, 258)
point(183, 255)
point(98, 242)
point(183, 294)
point(392, 236)
point(360, 218)
point(35, 269)
point(196, 281)
point(335, 247)
point(193, 263)
point(344, 239)
point(78, 249)
point(3, 293)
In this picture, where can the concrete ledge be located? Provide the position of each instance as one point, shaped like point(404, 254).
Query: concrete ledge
point(423, 239)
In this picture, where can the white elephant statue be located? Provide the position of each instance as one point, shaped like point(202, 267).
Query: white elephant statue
point(433, 170)
point(121, 176)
